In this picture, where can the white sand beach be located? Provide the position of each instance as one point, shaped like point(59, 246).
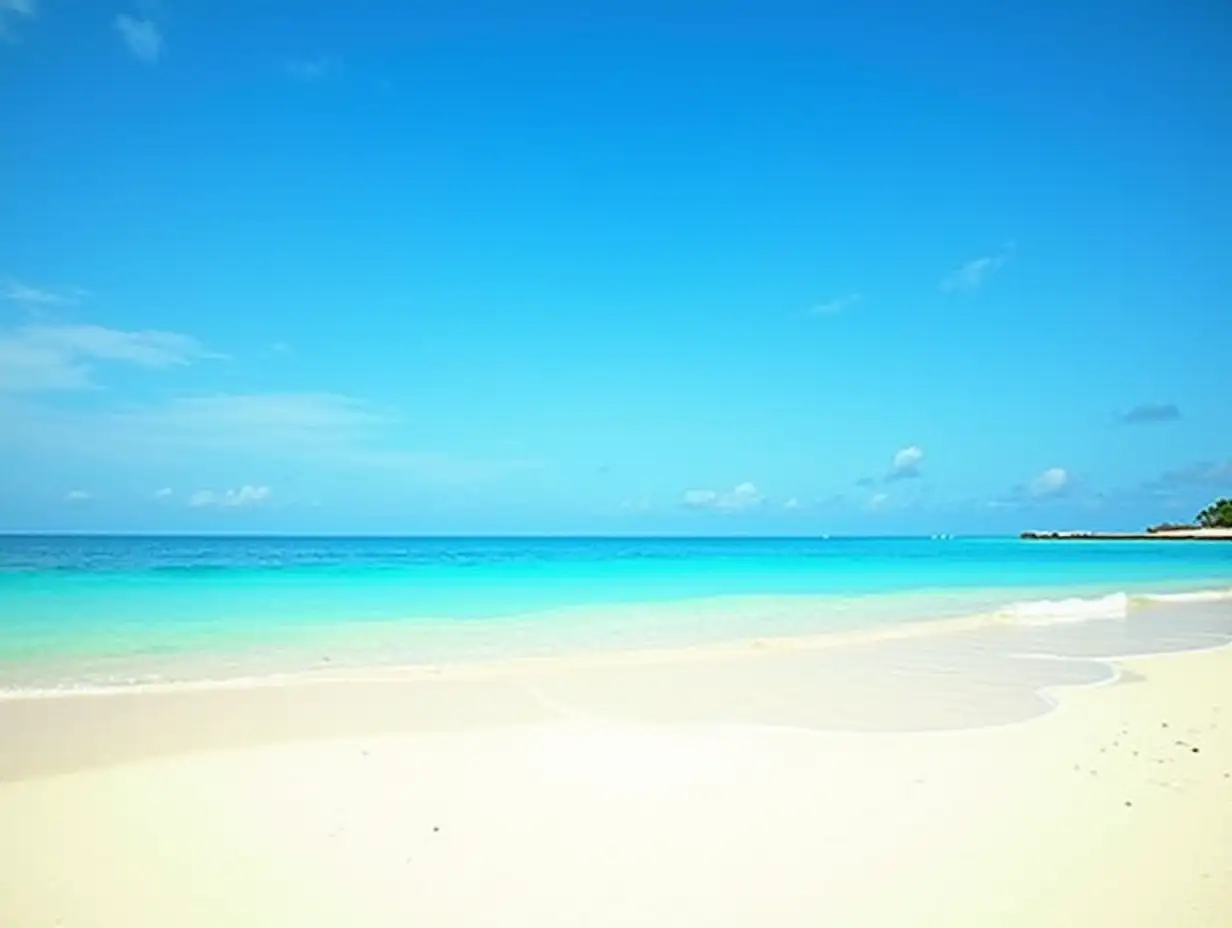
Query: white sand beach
point(1180, 534)
point(499, 798)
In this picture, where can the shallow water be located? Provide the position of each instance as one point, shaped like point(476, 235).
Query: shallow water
point(101, 611)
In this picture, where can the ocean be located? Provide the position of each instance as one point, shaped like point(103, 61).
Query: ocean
point(85, 612)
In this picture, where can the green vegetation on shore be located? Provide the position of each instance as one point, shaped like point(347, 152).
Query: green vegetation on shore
point(1217, 515)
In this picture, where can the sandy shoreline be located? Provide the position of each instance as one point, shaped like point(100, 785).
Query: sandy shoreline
point(712, 792)
point(1182, 534)
point(951, 674)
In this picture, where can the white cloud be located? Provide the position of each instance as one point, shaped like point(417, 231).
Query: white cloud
point(792, 503)
point(40, 297)
point(742, 496)
point(13, 10)
point(164, 493)
point(201, 499)
point(247, 495)
point(877, 500)
point(835, 306)
point(61, 357)
point(142, 37)
point(280, 419)
point(906, 463)
point(974, 274)
point(1049, 483)
point(144, 348)
point(26, 366)
point(77, 496)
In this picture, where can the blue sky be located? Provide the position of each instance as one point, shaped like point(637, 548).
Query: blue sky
point(613, 268)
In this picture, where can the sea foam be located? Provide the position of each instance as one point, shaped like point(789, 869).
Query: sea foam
point(1060, 611)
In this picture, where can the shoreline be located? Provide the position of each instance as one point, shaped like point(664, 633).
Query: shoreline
point(1109, 810)
point(1196, 534)
point(970, 673)
point(1093, 603)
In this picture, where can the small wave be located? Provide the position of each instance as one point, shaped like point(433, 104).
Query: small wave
point(1060, 611)
point(1200, 596)
point(148, 685)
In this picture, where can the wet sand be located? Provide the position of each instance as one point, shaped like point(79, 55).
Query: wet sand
point(998, 777)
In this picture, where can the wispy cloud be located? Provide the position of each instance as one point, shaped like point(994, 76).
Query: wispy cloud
point(295, 421)
point(1150, 413)
point(836, 306)
point(332, 431)
point(247, 495)
point(36, 358)
point(742, 496)
point(39, 297)
point(310, 70)
point(906, 464)
point(78, 496)
point(164, 494)
point(975, 273)
point(1054, 483)
point(1201, 474)
point(146, 348)
point(878, 500)
point(1048, 484)
point(1181, 488)
point(325, 431)
point(142, 36)
point(793, 504)
point(13, 10)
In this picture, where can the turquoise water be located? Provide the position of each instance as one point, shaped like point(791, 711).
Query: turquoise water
point(127, 609)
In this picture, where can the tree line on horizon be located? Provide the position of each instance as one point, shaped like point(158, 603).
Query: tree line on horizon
point(1217, 515)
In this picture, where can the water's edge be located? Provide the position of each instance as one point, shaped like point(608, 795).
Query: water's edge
point(1182, 617)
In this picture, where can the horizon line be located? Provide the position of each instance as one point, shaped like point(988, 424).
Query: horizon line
point(820, 536)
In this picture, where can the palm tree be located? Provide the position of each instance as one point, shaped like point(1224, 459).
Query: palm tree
point(1217, 515)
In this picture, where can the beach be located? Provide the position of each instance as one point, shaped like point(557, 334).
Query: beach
point(661, 789)
point(630, 465)
point(865, 732)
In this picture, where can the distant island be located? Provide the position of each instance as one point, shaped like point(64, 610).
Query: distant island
point(1214, 523)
